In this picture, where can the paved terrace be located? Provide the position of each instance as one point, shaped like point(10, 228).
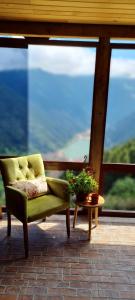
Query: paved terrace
point(64, 269)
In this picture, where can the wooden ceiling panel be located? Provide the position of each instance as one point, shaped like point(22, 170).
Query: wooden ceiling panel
point(72, 11)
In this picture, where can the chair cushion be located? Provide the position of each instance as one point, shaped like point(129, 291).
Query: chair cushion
point(45, 205)
point(33, 188)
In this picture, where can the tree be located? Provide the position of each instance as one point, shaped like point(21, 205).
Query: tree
point(123, 187)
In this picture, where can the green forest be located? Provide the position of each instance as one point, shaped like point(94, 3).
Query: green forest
point(119, 189)
point(123, 153)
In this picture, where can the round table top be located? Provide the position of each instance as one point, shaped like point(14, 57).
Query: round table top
point(88, 203)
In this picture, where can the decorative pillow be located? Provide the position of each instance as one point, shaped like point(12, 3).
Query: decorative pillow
point(33, 188)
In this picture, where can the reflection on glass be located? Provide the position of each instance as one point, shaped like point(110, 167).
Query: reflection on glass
point(60, 101)
point(13, 101)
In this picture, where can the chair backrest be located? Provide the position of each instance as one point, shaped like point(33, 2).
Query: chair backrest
point(21, 168)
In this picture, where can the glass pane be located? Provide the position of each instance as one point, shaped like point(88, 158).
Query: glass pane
point(13, 101)
point(119, 191)
point(120, 125)
point(123, 41)
point(60, 101)
point(96, 39)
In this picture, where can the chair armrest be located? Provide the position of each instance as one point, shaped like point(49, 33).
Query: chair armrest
point(58, 187)
point(16, 202)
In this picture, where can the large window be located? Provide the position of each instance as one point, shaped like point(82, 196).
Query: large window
point(60, 101)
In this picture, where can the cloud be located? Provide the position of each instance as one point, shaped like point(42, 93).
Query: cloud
point(72, 61)
point(62, 60)
point(123, 67)
point(11, 59)
point(76, 61)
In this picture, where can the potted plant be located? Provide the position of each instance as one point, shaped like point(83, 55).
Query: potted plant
point(81, 185)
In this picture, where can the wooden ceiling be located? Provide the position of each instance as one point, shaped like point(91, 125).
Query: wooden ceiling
point(113, 12)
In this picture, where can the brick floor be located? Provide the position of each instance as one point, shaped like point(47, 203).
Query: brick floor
point(67, 269)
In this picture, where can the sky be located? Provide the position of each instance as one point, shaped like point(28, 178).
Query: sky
point(72, 61)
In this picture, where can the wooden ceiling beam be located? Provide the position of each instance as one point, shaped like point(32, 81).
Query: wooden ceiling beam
point(48, 29)
point(13, 43)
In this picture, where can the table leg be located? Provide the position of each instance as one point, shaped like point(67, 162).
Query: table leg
point(90, 222)
point(96, 216)
point(0, 212)
point(75, 216)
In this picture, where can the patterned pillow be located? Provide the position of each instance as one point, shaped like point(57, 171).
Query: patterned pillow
point(33, 188)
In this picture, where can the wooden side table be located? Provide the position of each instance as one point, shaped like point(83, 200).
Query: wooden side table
point(91, 208)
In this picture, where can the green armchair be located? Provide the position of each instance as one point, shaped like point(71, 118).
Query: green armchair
point(30, 169)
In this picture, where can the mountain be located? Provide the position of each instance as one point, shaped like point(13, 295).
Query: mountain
point(48, 109)
point(45, 112)
point(121, 99)
point(60, 108)
point(121, 132)
point(13, 112)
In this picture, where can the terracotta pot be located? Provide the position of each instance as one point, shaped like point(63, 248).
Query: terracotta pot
point(94, 198)
point(82, 197)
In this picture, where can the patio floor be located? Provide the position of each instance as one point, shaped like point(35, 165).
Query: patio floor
point(66, 269)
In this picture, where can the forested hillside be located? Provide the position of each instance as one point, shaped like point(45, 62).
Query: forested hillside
point(47, 110)
point(123, 153)
point(42, 109)
point(119, 188)
point(13, 112)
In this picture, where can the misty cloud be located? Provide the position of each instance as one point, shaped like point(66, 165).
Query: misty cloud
point(72, 61)
point(12, 59)
point(62, 60)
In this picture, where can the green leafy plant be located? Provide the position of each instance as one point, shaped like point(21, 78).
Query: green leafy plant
point(83, 183)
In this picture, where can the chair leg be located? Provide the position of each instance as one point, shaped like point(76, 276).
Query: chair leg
point(68, 221)
point(25, 232)
point(9, 223)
